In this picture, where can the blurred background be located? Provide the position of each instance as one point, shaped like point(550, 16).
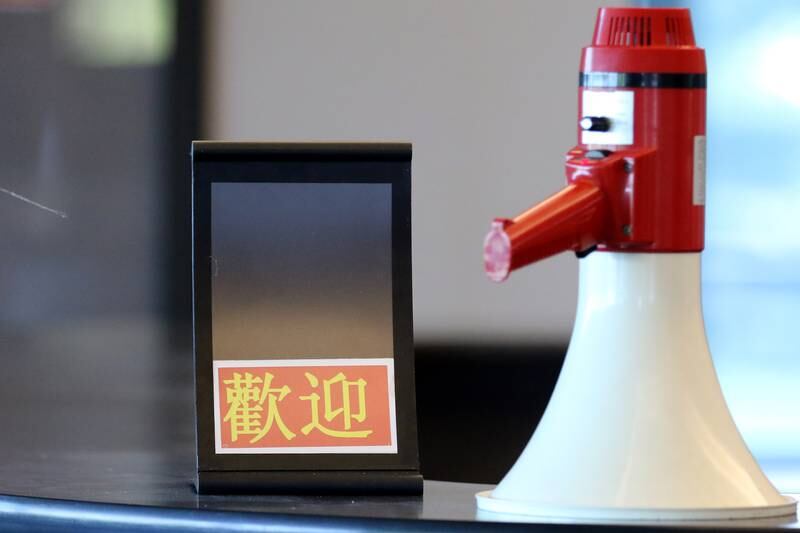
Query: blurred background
point(99, 100)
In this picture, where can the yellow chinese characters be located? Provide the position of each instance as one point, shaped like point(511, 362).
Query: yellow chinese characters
point(246, 404)
point(344, 411)
point(253, 405)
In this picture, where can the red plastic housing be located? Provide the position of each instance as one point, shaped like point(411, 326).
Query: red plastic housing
point(643, 39)
point(667, 120)
point(646, 194)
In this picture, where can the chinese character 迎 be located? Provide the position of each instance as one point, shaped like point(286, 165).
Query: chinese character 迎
point(345, 411)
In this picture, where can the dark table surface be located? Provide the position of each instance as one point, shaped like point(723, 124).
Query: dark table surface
point(96, 433)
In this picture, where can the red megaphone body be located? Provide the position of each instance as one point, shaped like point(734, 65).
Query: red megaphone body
point(636, 180)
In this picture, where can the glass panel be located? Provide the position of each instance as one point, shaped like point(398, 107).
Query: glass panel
point(82, 135)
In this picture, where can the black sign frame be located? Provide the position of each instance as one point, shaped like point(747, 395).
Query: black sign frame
point(224, 162)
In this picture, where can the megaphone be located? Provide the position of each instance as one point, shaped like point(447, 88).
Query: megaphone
point(637, 427)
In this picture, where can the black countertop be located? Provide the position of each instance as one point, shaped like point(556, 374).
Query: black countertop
point(97, 433)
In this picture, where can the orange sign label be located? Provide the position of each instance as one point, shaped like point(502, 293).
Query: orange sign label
point(305, 406)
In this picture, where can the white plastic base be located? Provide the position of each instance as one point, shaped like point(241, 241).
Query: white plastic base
point(637, 427)
point(545, 513)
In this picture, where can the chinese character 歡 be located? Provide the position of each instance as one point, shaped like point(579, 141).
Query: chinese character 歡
point(246, 404)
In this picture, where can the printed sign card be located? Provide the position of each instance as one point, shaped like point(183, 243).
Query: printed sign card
point(305, 406)
point(303, 331)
